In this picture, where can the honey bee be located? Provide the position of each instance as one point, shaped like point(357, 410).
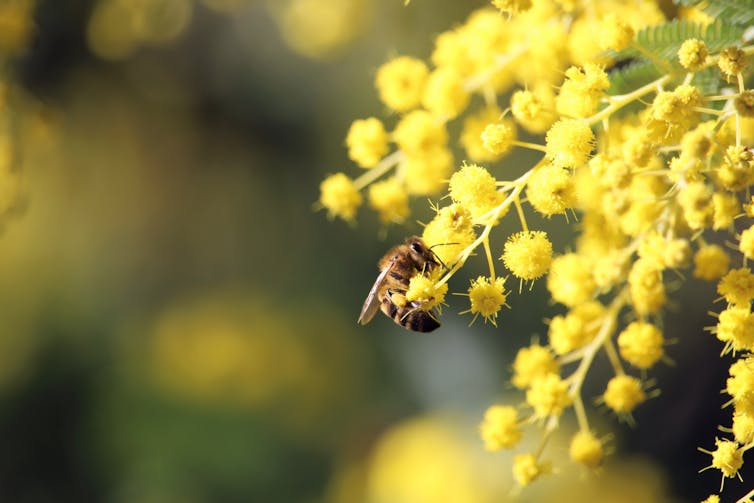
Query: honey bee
point(397, 267)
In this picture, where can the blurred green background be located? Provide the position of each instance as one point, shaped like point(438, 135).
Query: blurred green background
point(178, 323)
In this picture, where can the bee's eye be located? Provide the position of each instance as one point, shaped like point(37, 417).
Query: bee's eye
point(417, 248)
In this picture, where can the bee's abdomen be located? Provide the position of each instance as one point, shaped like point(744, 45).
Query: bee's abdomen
point(414, 319)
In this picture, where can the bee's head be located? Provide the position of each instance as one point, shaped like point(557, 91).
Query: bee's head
point(420, 253)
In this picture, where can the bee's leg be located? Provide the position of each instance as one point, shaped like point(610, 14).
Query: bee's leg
point(398, 298)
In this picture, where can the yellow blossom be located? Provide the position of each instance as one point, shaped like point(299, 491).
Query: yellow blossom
point(449, 232)
point(616, 33)
point(444, 94)
point(426, 172)
point(476, 190)
point(498, 138)
point(732, 61)
point(746, 243)
point(727, 457)
point(570, 280)
point(487, 297)
point(646, 287)
point(577, 328)
point(367, 142)
point(551, 190)
point(420, 132)
point(500, 429)
point(425, 291)
point(744, 103)
point(531, 363)
point(640, 344)
point(534, 110)
point(471, 134)
point(623, 394)
point(569, 142)
point(528, 254)
point(390, 199)
point(586, 449)
point(339, 196)
point(512, 6)
point(693, 54)
point(735, 327)
point(526, 469)
point(710, 262)
point(737, 286)
point(548, 396)
point(400, 83)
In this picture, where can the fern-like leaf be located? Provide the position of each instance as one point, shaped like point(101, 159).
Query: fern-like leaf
point(661, 42)
point(738, 12)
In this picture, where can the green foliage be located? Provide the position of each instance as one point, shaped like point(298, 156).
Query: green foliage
point(738, 12)
point(655, 48)
point(661, 42)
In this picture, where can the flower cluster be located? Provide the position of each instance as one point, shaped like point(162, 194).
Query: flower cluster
point(658, 176)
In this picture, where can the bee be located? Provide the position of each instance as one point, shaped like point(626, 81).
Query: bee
point(388, 293)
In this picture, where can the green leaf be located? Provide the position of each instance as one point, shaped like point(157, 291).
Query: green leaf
point(738, 12)
point(661, 42)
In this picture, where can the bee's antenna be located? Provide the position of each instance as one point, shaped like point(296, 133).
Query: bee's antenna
point(438, 258)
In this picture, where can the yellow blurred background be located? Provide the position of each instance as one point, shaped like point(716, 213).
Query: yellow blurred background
point(179, 324)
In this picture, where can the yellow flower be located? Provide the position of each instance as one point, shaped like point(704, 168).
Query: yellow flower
point(571, 281)
point(390, 199)
point(616, 33)
point(646, 287)
point(498, 138)
point(577, 328)
point(400, 83)
point(367, 142)
point(534, 110)
point(710, 262)
point(551, 190)
point(426, 172)
point(640, 344)
point(449, 232)
point(548, 396)
point(531, 363)
point(500, 429)
point(425, 291)
point(746, 243)
point(527, 254)
point(623, 394)
point(693, 54)
point(732, 61)
point(487, 298)
point(512, 6)
point(727, 457)
point(586, 449)
point(569, 142)
point(471, 135)
point(737, 286)
point(735, 327)
point(526, 469)
point(339, 196)
point(475, 189)
point(444, 94)
point(420, 132)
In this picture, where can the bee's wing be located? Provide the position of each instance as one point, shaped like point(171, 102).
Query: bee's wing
point(372, 302)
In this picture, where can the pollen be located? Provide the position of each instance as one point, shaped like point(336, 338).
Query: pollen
point(741, 381)
point(367, 142)
point(693, 54)
point(500, 428)
point(582, 91)
point(623, 394)
point(640, 344)
point(400, 83)
point(390, 199)
point(586, 449)
point(487, 298)
point(533, 110)
point(476, 189)
point(531, 363)
point(569, 142)
point(548, 396)
point(743, 427)
point(339, 196)
point(528, 254)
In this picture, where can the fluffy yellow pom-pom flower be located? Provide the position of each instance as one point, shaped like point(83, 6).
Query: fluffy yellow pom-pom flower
point(528, 254)
point(487, 297)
